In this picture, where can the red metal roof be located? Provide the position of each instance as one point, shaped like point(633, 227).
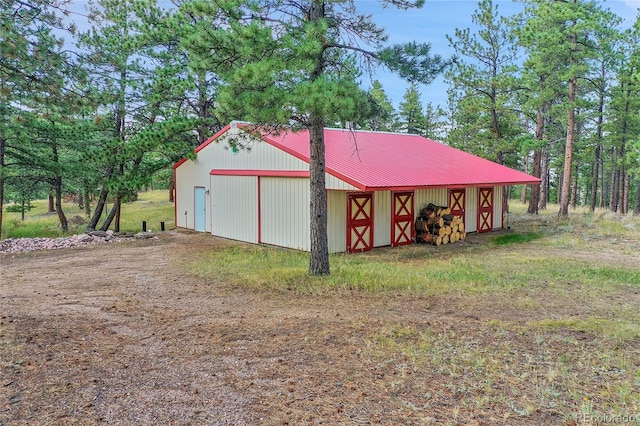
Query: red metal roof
point(378, 160)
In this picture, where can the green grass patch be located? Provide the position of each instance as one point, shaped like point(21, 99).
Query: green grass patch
point(152, 207)
point(516, 238)
point(491, 272)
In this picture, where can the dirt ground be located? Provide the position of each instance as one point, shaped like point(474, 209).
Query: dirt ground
point(117, 334)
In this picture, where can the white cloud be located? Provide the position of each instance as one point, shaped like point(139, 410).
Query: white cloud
point(635, 4)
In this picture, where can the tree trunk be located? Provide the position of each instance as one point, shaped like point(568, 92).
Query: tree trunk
point(544, 175)
point(57, 187)
point(319, 259)
point(2, 170)
point(80, 200)
point(64, 225)
point(319, 263)
point(568, 149)
point(534, 199)
point(523, 191)
point(102, 199)
point(594, 177)
point(636, 210)
point(172, 188)
point(52, 204)
point(624, 205)
point(118, 206)
point(574, 191)
point(109, 219)
point(603, 193)
point(87, 202)
point(615, 188)
point(598, 151)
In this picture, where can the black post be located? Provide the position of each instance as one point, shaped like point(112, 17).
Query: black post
point(162, 226)
point(144, 226)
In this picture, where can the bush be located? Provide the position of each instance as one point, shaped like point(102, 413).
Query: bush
point(17, 208)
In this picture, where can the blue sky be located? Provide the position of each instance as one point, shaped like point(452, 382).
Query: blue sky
point(439, 18)
point(432, 23)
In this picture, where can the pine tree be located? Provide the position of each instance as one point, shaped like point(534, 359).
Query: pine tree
point(559, 37)
point(410, 112)
point(30, 64)
point(293, 63)
point(485, 76)
point(383, 115)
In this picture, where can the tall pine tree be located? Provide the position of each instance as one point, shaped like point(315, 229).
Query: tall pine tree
point(293, 64)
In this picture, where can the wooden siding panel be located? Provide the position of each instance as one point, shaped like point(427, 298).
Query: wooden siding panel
point(285, 212)
point(382, 218)
point(234, 202)
point(337, 221)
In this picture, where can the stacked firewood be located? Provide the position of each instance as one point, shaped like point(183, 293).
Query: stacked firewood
point(436, 225)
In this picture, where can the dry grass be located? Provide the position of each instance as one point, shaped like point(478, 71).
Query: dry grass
point(192, 329)
point(151, 206)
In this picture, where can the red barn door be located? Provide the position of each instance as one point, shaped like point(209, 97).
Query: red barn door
point(359, 222)
point(456, 203)
point(402, 220)
point(485, 210)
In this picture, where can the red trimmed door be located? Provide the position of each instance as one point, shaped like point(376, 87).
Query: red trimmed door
point(402, 220)
point(456, 203)
point(359, 222)
point(485, 210)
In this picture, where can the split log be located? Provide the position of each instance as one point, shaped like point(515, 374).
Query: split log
point(421, 225)
point(436, 225)
point(436, 240)
point(435, 221)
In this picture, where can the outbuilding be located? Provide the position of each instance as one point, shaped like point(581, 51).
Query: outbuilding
point(254, 187)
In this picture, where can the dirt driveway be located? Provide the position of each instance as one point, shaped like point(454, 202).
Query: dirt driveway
point(118, 334)
point(113, 333)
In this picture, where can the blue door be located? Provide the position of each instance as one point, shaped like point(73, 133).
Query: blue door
point(200, 212)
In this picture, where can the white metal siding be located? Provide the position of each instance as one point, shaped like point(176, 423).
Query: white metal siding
point(338, 184)
point(256, 155)
point(471, 209)
point(497, 207)
point(422, 197)
point(284, 212)
point(382, 218)
point(337, 221)
point(189, 175)
point(235, 207)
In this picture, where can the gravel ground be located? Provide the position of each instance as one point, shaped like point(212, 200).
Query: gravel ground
point(121, 334)
point(20, 245)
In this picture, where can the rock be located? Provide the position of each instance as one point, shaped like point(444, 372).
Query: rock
point(19, 245)
point(123, 234)
point(100, 234)
point(84, 238)
point(143, 235)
